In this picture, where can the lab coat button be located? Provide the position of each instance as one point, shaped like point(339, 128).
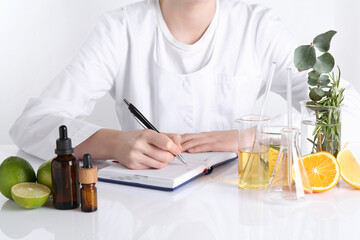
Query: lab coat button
point(229, 85)
point(188, 120)
point(185, 83)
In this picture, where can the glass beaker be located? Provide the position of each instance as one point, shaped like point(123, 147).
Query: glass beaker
point(253, 152)
point(320, 128)
point(273, 136)
point(289, 179)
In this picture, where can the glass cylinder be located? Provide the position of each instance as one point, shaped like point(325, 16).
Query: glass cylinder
point(253, 152)
point(320, 128)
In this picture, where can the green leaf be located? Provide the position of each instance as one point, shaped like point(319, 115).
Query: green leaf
point(324, 77)
point(319, 92)
point(313, 82)
point(314, 74)
point(311, 104)
point(312, 95)
point(311, 141)
point(325, 63)
point(322, 41)
point(324, 82)
point(305, 57)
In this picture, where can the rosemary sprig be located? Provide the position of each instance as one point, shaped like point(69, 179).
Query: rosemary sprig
point(329, 122)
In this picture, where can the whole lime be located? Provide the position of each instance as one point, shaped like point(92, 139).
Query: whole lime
point(30, 195)
point(14, 170)
point(44, 174)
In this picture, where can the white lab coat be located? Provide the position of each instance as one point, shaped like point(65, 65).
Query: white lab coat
point(119, 57)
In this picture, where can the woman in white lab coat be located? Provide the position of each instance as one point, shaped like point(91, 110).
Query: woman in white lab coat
point(191, 67)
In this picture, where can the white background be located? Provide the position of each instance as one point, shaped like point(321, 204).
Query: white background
point(39, 37)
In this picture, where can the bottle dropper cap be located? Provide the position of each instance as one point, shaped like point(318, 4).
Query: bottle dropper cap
point(63, 143)
point(88, 173)
point(87, 161)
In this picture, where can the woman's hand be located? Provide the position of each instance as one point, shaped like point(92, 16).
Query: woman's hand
point(136, 149)
point(221, 141)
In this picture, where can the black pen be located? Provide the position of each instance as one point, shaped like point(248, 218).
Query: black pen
point(146, 124)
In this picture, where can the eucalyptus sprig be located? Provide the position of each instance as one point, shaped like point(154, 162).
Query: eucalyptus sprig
point(323, 91)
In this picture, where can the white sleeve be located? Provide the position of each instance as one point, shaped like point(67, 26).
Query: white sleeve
point(71, 96)
point(275, 43)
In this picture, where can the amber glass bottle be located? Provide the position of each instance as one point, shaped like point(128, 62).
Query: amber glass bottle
point(65, 174)
point(88, 178)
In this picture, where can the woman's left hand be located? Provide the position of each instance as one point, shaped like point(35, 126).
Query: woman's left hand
point(220, 141)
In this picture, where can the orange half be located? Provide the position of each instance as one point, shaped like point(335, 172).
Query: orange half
point(323, 171)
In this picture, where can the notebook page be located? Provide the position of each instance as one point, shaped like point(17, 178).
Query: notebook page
point(172, 175)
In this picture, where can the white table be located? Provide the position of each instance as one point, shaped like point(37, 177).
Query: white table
point(211, 207)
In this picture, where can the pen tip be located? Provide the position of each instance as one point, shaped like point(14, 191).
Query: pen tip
point(183, 160)
point(126, 101)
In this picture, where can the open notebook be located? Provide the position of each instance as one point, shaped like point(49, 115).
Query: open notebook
point(170, 177)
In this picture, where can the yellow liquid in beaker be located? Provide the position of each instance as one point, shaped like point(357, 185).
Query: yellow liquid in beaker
point(281, 174)
point(253, 168)
point(273, 155)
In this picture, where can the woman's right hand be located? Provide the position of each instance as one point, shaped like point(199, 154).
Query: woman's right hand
point(135, 149)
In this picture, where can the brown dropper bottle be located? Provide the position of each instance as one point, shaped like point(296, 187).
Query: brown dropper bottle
point(65, 173)
point(88, 178)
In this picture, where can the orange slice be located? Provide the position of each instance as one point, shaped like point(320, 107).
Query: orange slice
point(323, 171)
point(350, 167)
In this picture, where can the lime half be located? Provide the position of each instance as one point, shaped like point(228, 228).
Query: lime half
point(30, 195)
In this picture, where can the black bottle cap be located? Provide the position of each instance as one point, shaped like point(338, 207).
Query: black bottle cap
point(63, 143)
point(87, 161)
